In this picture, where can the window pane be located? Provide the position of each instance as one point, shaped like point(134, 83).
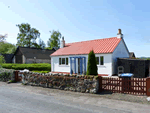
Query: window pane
point(63, 60)
point(97, 60)
point(66, 61)
point(59, 61)
point(102, 60)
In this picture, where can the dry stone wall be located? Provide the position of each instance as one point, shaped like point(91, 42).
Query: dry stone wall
point(72, 83)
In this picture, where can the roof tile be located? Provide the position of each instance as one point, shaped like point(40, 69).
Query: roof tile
point(106, 45)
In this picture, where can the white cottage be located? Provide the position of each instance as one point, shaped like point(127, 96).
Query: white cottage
point(73, 57)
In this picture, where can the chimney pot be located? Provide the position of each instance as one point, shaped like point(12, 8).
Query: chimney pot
point(119, 31)
point(119, 35)
point(62, 43)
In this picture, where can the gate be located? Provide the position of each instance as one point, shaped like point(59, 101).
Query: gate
point(136, 86)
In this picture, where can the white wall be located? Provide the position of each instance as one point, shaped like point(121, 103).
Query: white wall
point(55, 67)
point(102, 69)
point(107, 67)
point(23, 59)
point(120, 52)
point(13, 60)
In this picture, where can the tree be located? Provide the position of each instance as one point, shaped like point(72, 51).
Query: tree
point(42, 44)
point(2, 60)
point(7, 48)
point(27, 35)
point(54, 40)
point(2, 37)
point(92, 64)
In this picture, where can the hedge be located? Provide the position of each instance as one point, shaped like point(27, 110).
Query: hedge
point(31, 67)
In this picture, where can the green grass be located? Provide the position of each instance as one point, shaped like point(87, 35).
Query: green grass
point(41, 71)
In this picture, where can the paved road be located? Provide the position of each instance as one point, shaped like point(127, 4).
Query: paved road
point(19, 99)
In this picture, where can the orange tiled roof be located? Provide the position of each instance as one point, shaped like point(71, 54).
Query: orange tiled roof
point(106, 45)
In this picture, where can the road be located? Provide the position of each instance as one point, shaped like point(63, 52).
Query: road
point(15, 98)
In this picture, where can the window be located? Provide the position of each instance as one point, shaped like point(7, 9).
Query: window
point(59, 61)
point(97, 59)
point(102, 60)
point(63, 61)
point(66, 61)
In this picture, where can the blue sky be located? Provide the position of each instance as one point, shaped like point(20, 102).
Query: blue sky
point(80, 20)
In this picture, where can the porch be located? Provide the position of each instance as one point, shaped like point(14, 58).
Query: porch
point(78, 65)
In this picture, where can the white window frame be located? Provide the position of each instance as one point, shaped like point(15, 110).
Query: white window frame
point(100, 60)
point(65, 61)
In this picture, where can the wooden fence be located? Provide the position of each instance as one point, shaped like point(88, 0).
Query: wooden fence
point(135, 86)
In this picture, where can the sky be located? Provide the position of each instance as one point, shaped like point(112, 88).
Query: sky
point(81, 20)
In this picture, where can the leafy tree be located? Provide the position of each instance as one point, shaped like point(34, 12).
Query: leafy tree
point(54, 40)
point(11, 50)
point(2, 37)
point(2, 60)
point(27, 35)
point(42, 44)
point(92, 64)
point(7, 48)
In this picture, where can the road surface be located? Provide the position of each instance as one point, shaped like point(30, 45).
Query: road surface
point(15, 98)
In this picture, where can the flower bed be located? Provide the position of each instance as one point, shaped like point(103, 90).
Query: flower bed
point(83, 84)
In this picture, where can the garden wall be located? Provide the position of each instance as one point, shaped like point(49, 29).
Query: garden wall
point(88, 84)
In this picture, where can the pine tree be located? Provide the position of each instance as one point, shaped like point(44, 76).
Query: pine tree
point(92, 65)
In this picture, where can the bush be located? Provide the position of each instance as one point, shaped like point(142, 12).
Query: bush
point(92, 64)
point(5, 74)
point(2, 60)
point(31, 67)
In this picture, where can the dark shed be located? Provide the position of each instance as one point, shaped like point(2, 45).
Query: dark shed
point(139, 67)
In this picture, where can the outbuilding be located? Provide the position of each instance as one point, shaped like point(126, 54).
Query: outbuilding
point(27, 55)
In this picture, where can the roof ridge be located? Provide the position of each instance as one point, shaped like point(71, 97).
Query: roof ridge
point(90, 40)
point(36, 48)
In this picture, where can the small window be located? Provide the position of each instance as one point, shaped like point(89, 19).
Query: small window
point(59, 61)
point(102, 60)
point(66, 61)
point(63, 60)
point(97, 60)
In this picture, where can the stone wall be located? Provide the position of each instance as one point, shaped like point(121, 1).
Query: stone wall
point(64, 82)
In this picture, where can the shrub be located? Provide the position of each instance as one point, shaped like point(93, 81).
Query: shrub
point(2, 60)
point(31, 67)
point(5, 74)
point(92, 64)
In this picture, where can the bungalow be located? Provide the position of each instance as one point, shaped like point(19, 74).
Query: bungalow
point(73, 57)
point(32, 55)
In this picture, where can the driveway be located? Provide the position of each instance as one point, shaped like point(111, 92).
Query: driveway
point(16, 98)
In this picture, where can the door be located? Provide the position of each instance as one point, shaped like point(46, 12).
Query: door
point(18, 59)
